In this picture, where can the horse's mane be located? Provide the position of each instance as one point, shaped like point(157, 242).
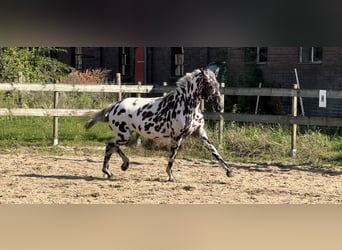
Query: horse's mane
point(183, 81)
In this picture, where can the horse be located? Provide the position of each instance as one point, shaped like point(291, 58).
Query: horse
point(173, 116)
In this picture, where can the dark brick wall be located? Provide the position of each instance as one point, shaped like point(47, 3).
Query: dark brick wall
point(159, 66)
point(94, 58)
point(277, 72)
point(65, 57)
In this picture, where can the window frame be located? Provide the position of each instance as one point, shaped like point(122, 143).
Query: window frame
point(125, 61)
point(177, 61)
point(312, 55)
point(257, 59)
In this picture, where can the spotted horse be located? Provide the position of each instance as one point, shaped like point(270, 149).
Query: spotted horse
point(174, 116)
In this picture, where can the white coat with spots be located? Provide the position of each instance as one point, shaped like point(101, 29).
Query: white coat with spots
point(174, 116)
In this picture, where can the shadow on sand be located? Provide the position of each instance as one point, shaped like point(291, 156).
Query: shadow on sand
point(268, 167)
point(66, 177)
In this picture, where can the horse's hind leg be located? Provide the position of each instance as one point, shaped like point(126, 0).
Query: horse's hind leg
point(113, 146)
point(174, 150)
point(110, 148)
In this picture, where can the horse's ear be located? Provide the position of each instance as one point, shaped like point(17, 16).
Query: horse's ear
point(216, 72)
point(202, 71)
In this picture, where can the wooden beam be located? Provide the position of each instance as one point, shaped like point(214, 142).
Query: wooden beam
point(60, 87)
point(133, 88)
point(45, 112)
point(277, 119)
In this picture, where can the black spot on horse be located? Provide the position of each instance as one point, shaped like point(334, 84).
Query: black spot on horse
point(130, 115)
point(148, 126)
point(134, 126)
point(157, 128)
point(156, 119)
point(117, 124)
point(115, 109)
point(121, 136)
point(122, 111)
point(146, 115)
point(122, 127)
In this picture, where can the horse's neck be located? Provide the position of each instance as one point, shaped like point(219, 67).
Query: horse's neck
point(191, 95)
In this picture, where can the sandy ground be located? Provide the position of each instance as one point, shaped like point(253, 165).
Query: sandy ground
point(28, 179)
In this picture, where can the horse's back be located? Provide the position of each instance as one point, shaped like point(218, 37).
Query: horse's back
point(129, 113)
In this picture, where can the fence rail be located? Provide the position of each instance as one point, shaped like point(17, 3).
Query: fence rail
point(277, 119)
point(279, 92)
point(44, 112)
point(76, 88)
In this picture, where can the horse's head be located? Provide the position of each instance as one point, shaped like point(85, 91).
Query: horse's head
point(210, 90)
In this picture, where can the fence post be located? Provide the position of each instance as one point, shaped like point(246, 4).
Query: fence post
point(257, 101)
point(221, 132)
point(300, 98)
point(139, 85)
point(294, 125)
point(164, 85)
point(20, 94)
point(118, 82)
point(55, 119)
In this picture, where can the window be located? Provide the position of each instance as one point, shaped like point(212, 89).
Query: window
point(256, 55)
point(310, 54)
point(177, 61)
point(124, 60)
point(76, 57)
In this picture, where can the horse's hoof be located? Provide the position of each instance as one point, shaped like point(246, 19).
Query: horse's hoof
point(107, 174)
point(171, 180)
point(110, 176)
point(124, 166)
point(229, 173)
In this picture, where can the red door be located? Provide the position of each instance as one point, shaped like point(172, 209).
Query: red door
point(139, 65)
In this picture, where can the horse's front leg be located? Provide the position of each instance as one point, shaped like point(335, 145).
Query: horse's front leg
point(203, 135)
point(174, 150)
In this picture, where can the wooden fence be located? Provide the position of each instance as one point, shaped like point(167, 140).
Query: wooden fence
point(291, 119)
point(60, 87)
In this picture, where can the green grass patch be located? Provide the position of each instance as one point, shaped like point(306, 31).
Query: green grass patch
point(246, 143)
point(37, 131)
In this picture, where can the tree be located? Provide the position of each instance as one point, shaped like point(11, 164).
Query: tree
point(36, 64)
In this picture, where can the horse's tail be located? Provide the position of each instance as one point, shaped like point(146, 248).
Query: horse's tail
point(102, 115)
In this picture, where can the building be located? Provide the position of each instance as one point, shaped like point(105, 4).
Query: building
point(317, 67)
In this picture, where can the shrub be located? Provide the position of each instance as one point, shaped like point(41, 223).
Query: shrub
point(90, 76)
point(36, 64)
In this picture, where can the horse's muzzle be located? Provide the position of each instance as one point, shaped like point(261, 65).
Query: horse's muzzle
point(218, 108)
point(216, 103)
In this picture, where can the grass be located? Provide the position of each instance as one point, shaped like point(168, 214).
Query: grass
point(37, 131)
point(246, 143)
